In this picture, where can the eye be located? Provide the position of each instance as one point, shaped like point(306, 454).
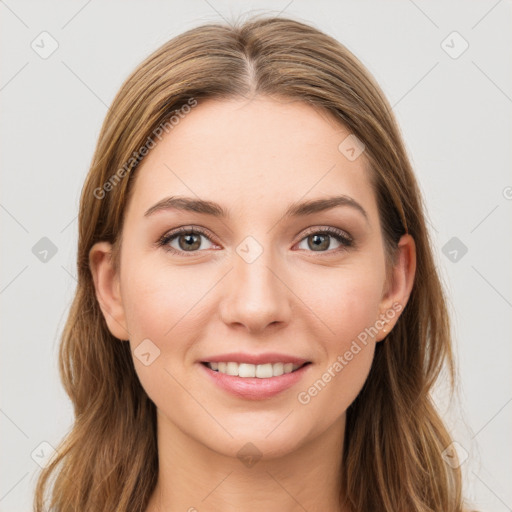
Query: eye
point(319, 240)
point(186, 239)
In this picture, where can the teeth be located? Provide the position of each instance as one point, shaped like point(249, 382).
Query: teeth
point(246, 370)
point(261, 371)
point(232, 369)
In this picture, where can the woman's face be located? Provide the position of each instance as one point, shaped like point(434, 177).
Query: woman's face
point(256, 281)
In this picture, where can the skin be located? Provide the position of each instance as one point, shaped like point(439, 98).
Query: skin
point(254, 157)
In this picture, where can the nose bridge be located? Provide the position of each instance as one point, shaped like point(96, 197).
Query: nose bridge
point(258, 296)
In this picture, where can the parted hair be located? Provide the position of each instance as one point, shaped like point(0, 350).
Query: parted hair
point(394, 436)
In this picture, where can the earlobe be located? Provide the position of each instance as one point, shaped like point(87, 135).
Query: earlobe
point(106, 284)
point(399, 287)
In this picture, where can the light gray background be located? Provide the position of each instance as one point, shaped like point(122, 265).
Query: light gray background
point(455, 117)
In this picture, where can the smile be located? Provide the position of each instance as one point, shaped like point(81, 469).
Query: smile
point(264, 381)
point(247, 370)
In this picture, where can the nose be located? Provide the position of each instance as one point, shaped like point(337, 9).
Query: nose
point(256, 294)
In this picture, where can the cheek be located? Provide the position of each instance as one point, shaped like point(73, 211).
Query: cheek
point(345, 300)
point(157, 303)
point(164, 305)
point(158, 300)
point(349, 306)
point(348, 354)
point(332, 390)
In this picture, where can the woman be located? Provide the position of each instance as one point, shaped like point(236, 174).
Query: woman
point(258, 320)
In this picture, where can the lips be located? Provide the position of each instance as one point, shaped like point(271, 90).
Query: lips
point(253, 388)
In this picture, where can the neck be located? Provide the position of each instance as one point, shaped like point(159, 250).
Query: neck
point(194, 478)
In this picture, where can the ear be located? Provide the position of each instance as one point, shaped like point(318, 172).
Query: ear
point(398, 286)
point(106, 283)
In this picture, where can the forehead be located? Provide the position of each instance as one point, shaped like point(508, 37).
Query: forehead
point(259, 153)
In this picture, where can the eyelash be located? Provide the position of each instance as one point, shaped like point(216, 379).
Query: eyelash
point(346, 241)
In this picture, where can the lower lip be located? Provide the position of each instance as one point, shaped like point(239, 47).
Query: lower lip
point(253, 388)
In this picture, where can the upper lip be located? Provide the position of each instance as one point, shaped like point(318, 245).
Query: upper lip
point(239, 357)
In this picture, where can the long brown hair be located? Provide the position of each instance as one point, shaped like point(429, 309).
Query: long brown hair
point(394, 438)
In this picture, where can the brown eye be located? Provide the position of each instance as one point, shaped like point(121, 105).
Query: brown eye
point(320, 241)
point(184, 240)
point(189, 242)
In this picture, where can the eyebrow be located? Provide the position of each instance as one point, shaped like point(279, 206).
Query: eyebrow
point(296, 209)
